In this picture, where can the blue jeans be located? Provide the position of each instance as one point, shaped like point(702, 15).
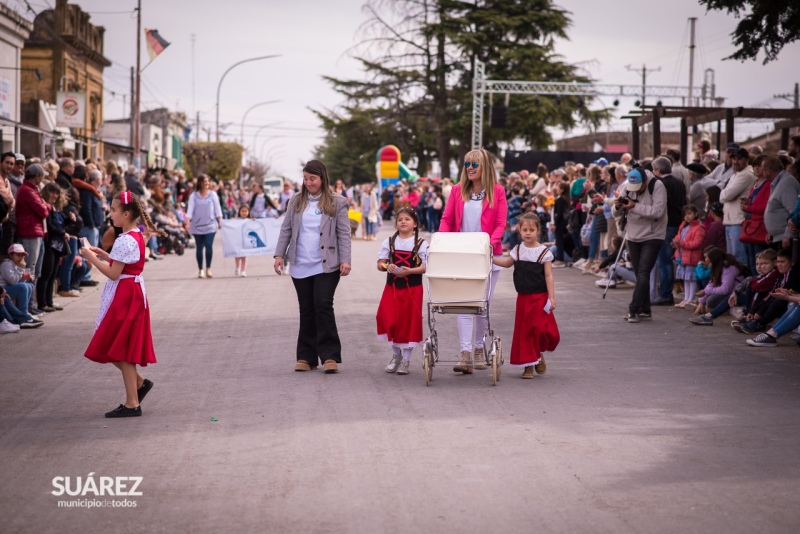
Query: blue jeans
point(204, 242)
point(67, 264)
point(735, 247)
point(666, 270)
point(34, 246)
point(750, 252)
point(788, 321)
point(21, 294)
point(594, 240)
point(369, 227)
point(12, 314)
point(433, 220)
point(93, 235)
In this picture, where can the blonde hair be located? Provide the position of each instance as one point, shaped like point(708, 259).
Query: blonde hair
point(488, 178)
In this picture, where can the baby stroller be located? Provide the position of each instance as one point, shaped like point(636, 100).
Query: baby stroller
point(458, 277)
point(175, 240)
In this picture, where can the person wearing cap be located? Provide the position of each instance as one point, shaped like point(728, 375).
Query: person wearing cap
point(715, 231)
point(723, 173)
point(14, 278)
point(32, 210)
point(697, 193)
point(643, 200)
point(731, 197)
point(783, 195)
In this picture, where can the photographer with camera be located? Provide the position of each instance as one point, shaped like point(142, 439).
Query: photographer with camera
point(642, 208)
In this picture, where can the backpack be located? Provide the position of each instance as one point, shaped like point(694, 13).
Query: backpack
point(586, 231)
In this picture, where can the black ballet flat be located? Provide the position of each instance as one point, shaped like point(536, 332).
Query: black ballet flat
point(145, 389)
point(124, 411)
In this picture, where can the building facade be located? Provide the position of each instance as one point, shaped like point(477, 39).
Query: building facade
point(14, 30)
point(68, 51)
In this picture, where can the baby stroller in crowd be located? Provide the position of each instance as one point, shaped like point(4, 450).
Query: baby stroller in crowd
point(175, 241)
point(458, 276)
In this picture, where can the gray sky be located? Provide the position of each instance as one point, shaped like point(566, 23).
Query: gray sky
point(314, 36)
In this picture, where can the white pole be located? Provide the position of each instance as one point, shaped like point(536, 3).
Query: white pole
point(692, 21)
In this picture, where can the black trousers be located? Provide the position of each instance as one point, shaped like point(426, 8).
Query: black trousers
point(643, 258)
point(318, 339)
point(47, 279)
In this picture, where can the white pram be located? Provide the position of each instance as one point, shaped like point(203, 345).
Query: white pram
point(458, 276)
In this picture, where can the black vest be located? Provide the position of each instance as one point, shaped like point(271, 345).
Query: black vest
point(529, 275)
point(407, 260)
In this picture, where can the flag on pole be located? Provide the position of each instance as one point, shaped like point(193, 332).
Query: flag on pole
point(155, 43)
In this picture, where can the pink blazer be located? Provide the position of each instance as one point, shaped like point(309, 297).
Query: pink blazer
point(493, 219)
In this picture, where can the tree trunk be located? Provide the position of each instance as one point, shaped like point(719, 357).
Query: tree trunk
point(441, 102)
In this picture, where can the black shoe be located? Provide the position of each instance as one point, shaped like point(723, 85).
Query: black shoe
point(35, 311)
point(123, 411)
point(33, 323)
point(645, 316)
point(88, 283)
point(663, 302)
point(751, 327)
point(145, 389)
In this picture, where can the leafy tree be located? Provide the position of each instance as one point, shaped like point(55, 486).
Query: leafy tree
point(218, 160)
point(419, 61)
point(765, 25)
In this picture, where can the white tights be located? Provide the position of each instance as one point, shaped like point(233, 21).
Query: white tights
point(689, 289)
point(466, 332)
point(406, 352)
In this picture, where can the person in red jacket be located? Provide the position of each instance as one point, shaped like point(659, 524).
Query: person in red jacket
point(754, 207)
point(688, 244)
point(32, 210)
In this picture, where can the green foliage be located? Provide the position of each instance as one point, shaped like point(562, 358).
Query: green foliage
point(218, 160)
point(765, 25)
point(418, 86)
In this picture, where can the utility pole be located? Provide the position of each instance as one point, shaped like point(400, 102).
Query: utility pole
point(193, 93)
point(794, 97)
point(197, 127)
point(133, 105)
point(692, 21)
point(137, 121)
point(644, 71)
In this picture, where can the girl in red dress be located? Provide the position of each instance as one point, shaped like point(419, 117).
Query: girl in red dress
point(535, 328)
point(122, 330)
point(403, 256)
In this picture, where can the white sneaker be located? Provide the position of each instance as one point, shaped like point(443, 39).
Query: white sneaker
point(403, 368)
point(236, 272)
point(605, 282)
point(579, 263)
point(8, 328)
point(394, 363)
point(243, 274)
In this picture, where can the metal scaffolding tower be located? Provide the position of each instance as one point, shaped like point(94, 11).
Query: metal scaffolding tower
point(481, 86)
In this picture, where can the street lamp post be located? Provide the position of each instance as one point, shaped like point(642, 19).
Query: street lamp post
point(251, 109)
point(219, 85)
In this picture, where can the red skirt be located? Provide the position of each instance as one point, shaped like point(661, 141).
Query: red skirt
point(535, 330)
point(399, 316)
point(124, 333)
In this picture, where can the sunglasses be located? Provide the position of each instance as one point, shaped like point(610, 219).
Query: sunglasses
point(474, 164)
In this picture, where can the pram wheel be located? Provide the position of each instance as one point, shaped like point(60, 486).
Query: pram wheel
point(427, 362)
point(497, 362)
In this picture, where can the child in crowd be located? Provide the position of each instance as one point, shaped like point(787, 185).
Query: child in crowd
point(403, 256)
point(122, 331)
point(771, 308)
point(725, 274)
point(16, 279)
point(688, 244)
point(241, 261)
point(608, 263)
point(535, 328)
point(715, 230)
point(748, 294)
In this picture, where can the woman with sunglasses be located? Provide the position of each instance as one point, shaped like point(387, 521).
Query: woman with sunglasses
point(476, 204)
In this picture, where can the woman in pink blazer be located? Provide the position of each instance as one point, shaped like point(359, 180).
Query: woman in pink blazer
point(476, 204)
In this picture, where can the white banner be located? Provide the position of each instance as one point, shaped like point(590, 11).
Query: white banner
point(71, 109)
point(250, 237)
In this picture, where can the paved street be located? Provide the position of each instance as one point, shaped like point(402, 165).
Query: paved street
point(655, 427)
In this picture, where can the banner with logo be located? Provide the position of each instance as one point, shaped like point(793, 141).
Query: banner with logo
point(71, 109)
point(250, 237)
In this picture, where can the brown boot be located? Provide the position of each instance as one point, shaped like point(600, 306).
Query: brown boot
point(480, 359)
point(541, 367)
point(528, 372)
point(330, 367)
point(463, 365)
